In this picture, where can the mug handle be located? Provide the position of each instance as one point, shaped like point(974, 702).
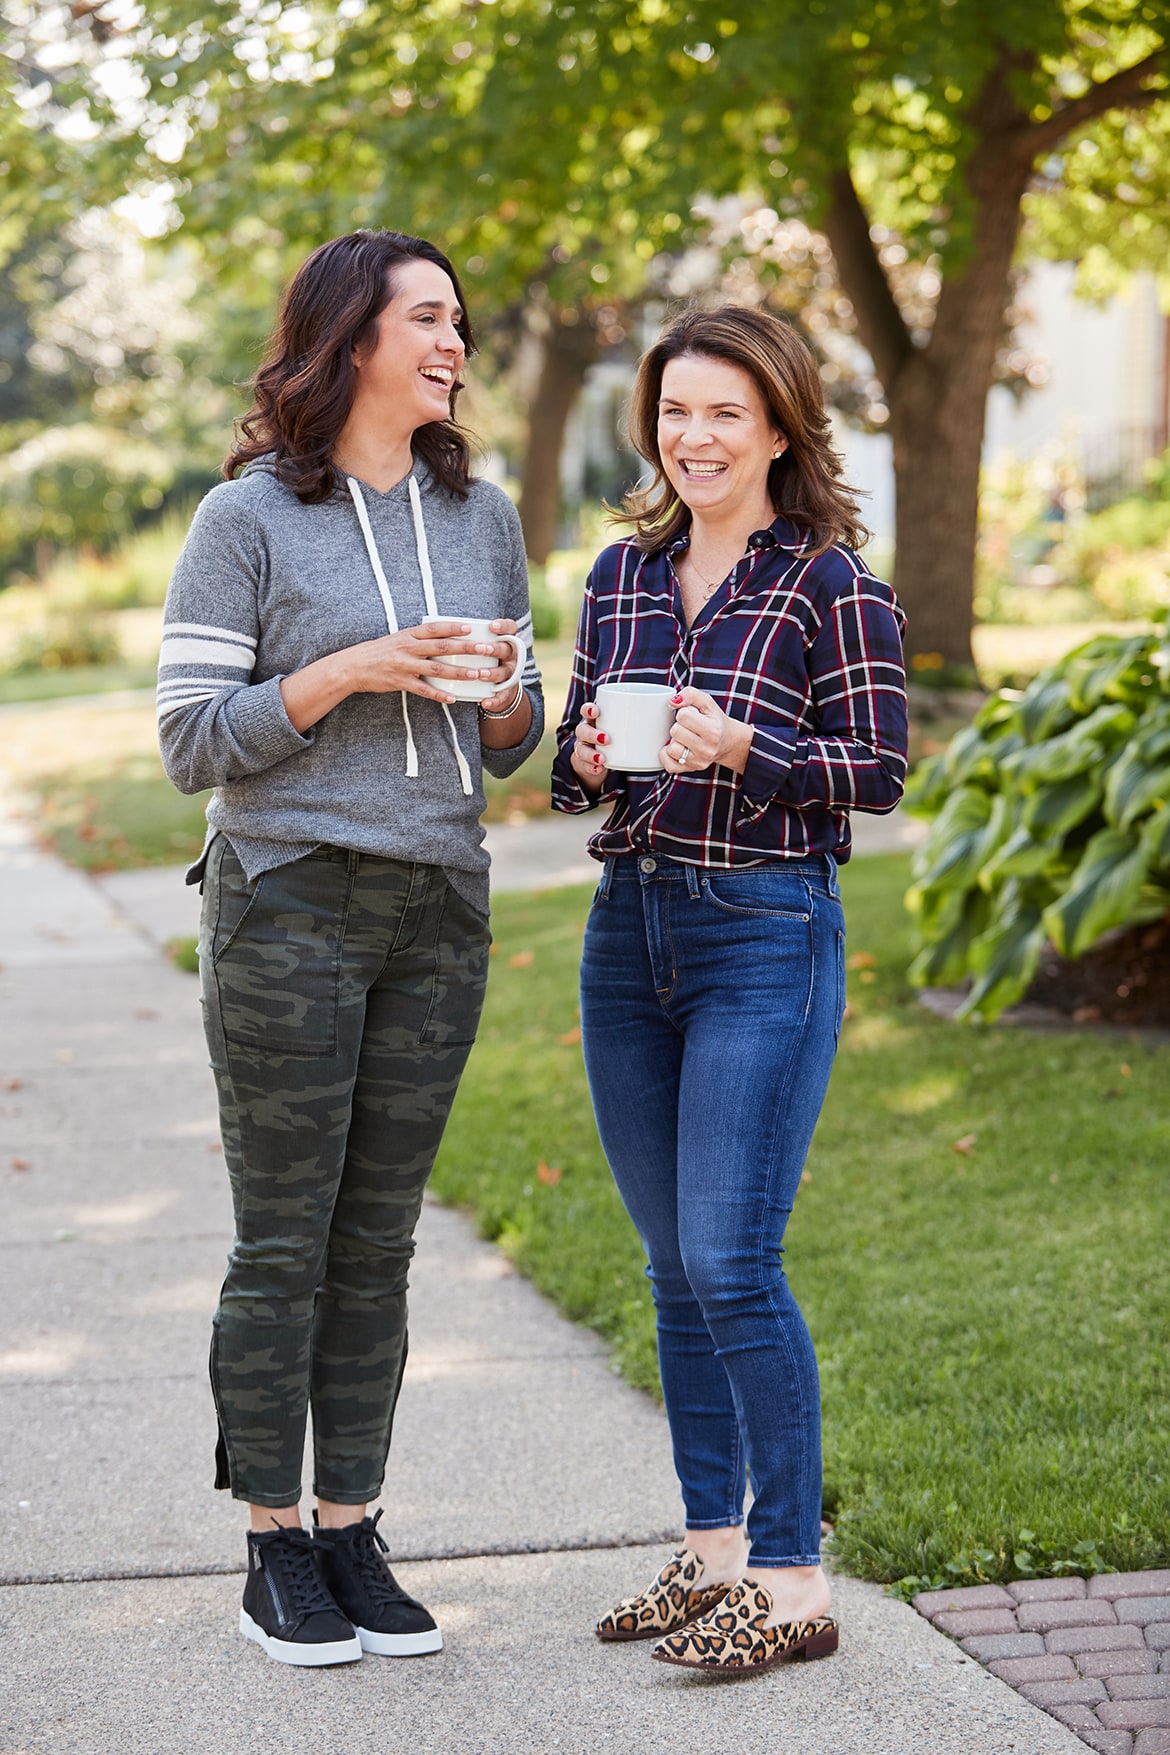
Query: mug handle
point(521, 660)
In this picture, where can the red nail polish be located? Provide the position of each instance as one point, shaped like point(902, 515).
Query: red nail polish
point(603, 737)
point(676, 700)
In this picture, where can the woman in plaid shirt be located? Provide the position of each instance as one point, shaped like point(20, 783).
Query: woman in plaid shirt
point(713, 976)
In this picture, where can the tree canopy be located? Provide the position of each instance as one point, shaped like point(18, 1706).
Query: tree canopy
point(569, 144)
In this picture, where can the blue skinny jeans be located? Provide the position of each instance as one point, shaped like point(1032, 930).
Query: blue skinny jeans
point(711, 1004)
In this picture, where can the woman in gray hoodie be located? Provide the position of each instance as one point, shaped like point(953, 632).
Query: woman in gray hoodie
point(344, 941)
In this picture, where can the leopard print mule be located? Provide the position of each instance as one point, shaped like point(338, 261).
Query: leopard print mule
point(671, 1601)
point(732, 1639)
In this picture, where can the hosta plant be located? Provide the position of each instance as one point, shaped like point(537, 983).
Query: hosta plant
point(1050, 820)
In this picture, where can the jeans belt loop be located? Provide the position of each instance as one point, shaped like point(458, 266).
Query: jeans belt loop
point(607, 872)
point(694, 887)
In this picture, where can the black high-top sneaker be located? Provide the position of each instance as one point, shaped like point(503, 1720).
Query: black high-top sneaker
point(384, 1618)
point(287, 1607)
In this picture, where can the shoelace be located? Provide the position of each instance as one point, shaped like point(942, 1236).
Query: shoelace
point(298, 1571)
point(368, 1549)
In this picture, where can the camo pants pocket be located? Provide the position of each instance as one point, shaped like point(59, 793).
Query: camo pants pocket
point(273, 952)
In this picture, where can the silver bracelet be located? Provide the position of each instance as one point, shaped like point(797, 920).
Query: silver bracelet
point(507, 712)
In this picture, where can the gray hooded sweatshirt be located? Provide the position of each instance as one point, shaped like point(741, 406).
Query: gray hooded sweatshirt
point(265, 585)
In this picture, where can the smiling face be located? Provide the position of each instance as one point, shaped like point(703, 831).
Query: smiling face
point(406, 375)
point(716, 439)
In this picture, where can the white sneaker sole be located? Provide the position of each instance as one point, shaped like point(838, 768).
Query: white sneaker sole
point(400, 1644)
point(284, 1651)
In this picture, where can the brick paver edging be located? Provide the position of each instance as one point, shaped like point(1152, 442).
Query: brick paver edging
point(1095, 1653)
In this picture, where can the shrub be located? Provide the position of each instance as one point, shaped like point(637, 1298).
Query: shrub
point(73, 486)
point(66, 639)
point(135, 575)
point(546, 610)
point(1051, 821)
point(1122, 554)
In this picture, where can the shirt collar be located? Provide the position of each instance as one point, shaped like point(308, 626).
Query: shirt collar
point(781, 533)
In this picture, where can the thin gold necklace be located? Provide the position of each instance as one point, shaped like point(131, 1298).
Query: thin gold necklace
point(709, 585)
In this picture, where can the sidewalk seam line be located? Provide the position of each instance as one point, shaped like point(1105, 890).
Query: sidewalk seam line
point(224, 1569)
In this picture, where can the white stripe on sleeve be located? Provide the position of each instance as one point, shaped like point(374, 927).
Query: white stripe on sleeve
point(186, 651)
point(172, 703)
point(209, 632)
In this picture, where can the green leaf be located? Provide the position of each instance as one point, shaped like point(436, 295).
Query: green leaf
point(1045, 705)
point(1097, 670)
point(1156, 838)
point(1019, 856)
point(927, 789)
point(1004, 959)
point(952, 853)
point(1135, 786)
point(1056, 809)
point(1074, 751)
point(967, 757)
point(943, 961)
point(1102, 894)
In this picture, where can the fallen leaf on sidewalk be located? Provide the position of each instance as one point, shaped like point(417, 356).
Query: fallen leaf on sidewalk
point(966, 1144)
point(570, 1036)
point(20, 1163)
point(522, 959)
point(548, 1175)
point(11, 1084)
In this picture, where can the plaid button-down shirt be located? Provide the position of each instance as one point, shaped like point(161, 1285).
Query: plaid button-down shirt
point(806, 648)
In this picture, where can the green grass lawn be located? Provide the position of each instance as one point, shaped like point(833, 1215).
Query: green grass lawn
point(992, 1321)
point(84, 679)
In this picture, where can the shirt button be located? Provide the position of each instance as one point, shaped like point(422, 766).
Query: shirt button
point(647, 865)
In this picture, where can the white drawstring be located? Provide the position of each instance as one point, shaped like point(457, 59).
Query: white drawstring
point(424, 567)
point(428, 585)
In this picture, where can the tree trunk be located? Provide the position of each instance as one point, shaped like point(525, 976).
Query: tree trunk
point(568, 350)
point(937, 393)
point(938, 405)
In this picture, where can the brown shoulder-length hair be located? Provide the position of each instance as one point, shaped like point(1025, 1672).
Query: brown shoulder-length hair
point(304, 389)
point(804, 482)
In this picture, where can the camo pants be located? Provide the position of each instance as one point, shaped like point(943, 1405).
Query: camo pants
point(341, 995)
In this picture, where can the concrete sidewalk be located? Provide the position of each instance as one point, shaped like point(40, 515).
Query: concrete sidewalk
point(528, 1488)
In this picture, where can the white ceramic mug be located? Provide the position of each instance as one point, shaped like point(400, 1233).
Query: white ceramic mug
point(636, 718)
point(475, 688)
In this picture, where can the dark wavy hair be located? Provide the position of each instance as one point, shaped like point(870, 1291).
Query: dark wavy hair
point(303, 392)
point(804, 483)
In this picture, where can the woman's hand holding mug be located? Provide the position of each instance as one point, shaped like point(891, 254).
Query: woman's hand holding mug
point(588, 758)
point(704, 736)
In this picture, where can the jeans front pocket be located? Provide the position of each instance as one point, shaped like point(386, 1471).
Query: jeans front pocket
point(782, 895)
point(276, 957)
